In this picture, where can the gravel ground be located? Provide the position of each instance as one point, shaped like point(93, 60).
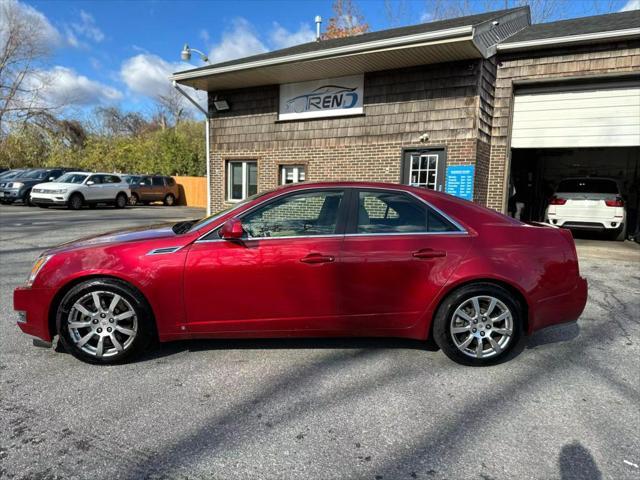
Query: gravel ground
point(565, 407)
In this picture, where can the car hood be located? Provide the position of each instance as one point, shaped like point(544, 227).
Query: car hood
point(56, 185)
point(152, 232)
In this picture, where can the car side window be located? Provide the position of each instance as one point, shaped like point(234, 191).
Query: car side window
point(396, 212)
point(300, 214)
point(170, 181)
point(96, 179)
point(145, 181)
point(158, 182)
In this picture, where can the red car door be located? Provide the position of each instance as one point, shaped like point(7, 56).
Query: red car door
point(282, 277)
point(397, 255)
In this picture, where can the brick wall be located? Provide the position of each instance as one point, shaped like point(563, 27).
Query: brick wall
point(400, 105)
point(586, 61)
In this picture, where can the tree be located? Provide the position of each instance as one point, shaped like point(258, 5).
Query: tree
point(25, 42)
point(346, 21)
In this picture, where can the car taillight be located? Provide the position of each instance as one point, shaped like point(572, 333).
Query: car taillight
point(557, 201)
point(618, 202)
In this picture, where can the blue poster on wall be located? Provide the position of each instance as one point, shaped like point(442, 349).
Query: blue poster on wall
point(460, 181)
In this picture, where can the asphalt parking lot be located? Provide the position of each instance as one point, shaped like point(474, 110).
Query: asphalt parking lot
point(567, 406)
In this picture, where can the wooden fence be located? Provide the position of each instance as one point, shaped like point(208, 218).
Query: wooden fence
point(193, 191)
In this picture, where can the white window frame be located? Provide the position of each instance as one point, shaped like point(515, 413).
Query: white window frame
point(296, 173)
point(427, 157)
point(245, 179)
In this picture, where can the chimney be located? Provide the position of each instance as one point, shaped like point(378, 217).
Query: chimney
point(318, 23)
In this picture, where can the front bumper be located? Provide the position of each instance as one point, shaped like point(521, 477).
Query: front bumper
point(48, 199)
point(11, 194)
point(32, 305)
point(563, 308)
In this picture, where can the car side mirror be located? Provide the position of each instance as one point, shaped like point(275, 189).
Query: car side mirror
point(232, 230)
point(90, 182)
point(51, 179)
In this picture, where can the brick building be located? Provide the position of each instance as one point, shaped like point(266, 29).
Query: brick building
point(505, 100)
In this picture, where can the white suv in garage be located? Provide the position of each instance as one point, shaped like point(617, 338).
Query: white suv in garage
point(589, 203)
point(75, 189)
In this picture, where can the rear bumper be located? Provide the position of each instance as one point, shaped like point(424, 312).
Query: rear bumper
point(32, 305)
point(586, 223)
point(563, 308)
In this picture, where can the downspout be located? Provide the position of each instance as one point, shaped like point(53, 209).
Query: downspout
point(207, 140)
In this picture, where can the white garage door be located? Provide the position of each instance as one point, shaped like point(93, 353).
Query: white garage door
point(589, 117)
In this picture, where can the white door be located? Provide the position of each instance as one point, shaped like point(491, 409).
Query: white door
point(586, 116)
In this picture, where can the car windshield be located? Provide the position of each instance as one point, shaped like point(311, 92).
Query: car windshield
point(12, 174)
point(587, 185)
point(190, 226)
point(35, 174)
point(131, 179)
point(72, 178)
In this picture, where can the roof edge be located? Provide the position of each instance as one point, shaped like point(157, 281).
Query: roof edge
point(569, 39)
point(449, 33)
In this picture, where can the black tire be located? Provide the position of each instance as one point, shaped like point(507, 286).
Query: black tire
point(170, 200)
point(75, 201)
point(134, 199)
point(26, 199)
point(444, 316)
point(121, 201)
point(620, 235)
point(145, 329)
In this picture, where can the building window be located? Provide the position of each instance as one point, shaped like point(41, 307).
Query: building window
point(242, 180)
point(423, 170)
point(291, 174)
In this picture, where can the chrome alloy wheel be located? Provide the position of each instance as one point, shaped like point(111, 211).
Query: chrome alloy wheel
point(482, 327)
point(102, 324)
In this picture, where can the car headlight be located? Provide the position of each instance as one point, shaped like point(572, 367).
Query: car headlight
point(15, 185)
point(62, 190)
point(40, 262)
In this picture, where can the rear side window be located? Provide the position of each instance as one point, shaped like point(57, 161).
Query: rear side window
point(587, 185)
point(158, 182)
point(170, 181)
point(395, 212)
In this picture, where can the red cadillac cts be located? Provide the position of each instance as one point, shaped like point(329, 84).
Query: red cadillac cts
point(311, 260)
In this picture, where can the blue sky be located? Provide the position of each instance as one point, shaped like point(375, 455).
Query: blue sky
point(120, 52)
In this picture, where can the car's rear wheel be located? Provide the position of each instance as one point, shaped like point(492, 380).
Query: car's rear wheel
point(121, 201)
point(75, 202)
point(478, 324)
point(104, 321)
point(170, 200)
point(620, 235)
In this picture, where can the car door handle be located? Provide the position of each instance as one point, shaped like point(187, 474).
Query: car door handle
point(317, 258)
point(429, 253)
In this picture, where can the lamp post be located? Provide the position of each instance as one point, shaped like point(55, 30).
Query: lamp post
point(185, 54)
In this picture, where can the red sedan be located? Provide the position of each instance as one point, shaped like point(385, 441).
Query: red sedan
point(311, 260)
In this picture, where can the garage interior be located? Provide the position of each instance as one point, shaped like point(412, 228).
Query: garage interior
point(575, 129)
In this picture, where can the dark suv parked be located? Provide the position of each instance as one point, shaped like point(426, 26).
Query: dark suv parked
point(152, 188)
point(19, 187)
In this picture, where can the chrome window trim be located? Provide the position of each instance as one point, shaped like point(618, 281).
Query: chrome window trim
point(461, 229)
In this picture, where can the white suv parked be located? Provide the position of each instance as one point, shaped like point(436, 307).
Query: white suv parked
point(75, 189)
point(589, 203)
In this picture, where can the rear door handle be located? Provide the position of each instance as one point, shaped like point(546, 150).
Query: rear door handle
point(429, 253)
point(317, 258)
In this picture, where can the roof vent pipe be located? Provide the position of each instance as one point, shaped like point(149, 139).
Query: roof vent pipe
point(318, 23)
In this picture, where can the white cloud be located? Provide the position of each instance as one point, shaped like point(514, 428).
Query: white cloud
point(239, 41)
point(37, 24)
point(280, 37)
point(87, 27)
point(63, 87)
point(631, 5)
point(147, 74)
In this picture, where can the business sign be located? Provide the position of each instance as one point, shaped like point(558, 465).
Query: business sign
point(460, 181)
point(332, 97)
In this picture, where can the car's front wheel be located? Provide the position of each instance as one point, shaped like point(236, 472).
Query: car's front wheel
point(134, 199)
point(75, 201)
point(478, 324)
point(170, 200)
point(104, 321)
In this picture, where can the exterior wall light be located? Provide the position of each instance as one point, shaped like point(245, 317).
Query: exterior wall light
point(186, 54)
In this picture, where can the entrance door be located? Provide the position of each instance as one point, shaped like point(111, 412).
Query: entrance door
point(424, 168)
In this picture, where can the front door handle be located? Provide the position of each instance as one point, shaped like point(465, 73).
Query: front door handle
point(429, 253)
point(317, 258)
